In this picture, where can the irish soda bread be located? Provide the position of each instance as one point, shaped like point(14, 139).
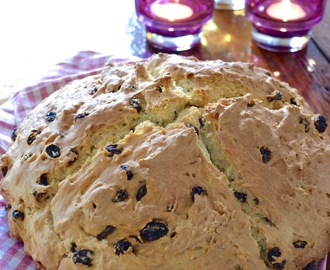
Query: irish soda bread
point(171, 164)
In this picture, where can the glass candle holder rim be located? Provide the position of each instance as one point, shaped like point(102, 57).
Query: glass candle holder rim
point(250, 9)
point(178, 25)
point(294, 25)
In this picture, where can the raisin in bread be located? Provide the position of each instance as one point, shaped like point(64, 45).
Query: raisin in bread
point(171, 163)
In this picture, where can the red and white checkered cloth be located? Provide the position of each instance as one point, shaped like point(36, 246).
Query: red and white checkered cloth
point(12, 112)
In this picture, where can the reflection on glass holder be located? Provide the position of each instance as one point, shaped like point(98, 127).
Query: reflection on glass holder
point(181, 43)
point(278, 44)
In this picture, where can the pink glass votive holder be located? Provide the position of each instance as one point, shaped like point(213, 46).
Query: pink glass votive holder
point(174, 25)
point(283, 25)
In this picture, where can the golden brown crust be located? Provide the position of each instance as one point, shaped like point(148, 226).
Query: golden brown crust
point(171, 163)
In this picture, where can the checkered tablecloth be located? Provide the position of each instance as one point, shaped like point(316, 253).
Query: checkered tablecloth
point(12, 112)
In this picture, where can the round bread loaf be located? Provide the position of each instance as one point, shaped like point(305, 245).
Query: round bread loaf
point(171, 163)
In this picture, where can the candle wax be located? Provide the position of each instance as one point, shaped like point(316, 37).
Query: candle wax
point(171, 11)
point(286, 11)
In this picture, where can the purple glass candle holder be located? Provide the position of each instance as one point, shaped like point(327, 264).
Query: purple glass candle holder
point(283, 25)
point(174, 25)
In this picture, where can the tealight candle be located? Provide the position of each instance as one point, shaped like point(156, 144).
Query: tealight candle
point(283, 25)
point(286, 11)
point(174, 25)
point(171, 11)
